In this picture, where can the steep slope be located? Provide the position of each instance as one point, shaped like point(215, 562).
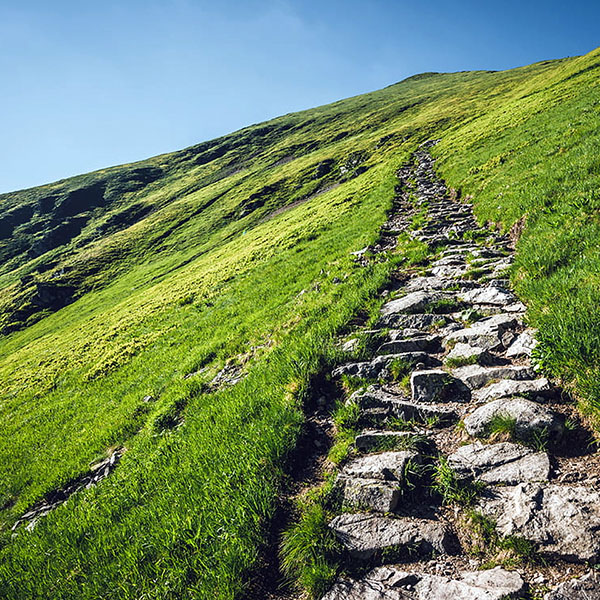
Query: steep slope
point(126, 291)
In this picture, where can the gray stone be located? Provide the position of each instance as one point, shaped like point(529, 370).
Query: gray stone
point(522, 346)
point(422, 322)
point(391, 583)
point(529, 388)
point(369, 494)
point(350, 345)
point(468, 354)
point(435, 385)
point(449, 271)
point(475, 376)
point(432, 283)
point(378, 367)
point(387, 466)
point(429, 343)
point(413, 302)
point(365, 535)
point(582, 588)
point(489, 295)
point(475, 336)
point(564, 521)
point(505, 463)
point(530, 418)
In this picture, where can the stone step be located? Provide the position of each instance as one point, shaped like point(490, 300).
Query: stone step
point(367, 536)
point(529, 388)
point(504, 463)
point(393, 583)
point(378, 368)
point(475, 376)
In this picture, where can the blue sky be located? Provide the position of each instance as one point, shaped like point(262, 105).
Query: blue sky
point(89, 84)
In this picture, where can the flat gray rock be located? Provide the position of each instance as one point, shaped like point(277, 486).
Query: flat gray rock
point(414, 302)
point(503, 463)
point(475, 336)
point(387, 466)
point(564, 521)
point(582, 588)
point(531, 388)
point(364, 535)
point(423, 343)
point(417, 321)
point(391, 583)
point(530, 417)
point(475, 376)
point(435, 385)
point(369, 494)
point(522, 346)
point(489, 295)
point(389, 405)
point(378, 367)
point(468, 354)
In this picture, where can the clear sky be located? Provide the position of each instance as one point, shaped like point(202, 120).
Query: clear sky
point(93, 83)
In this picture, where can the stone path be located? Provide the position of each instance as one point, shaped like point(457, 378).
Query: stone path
point(452, 396)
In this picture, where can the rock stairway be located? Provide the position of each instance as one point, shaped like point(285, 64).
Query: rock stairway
point(451, 388)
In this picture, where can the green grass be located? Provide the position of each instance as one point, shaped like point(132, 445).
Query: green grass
point(239, 250)
point(451, 489)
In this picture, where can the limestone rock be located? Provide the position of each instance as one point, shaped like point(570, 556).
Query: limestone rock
point(365, 535)
point(530, 418)
point(582, 588)
point(435, 385)
point(391, 583)
point(378, 367)
point(505, 463)
point(429, 343)
point(563, 520)
point(489, 295)
point(417, 321)
point(387, 466)
point(469, 354)
point(369, 494)
point(522, 346)
point(413, 302)
point(506, 388)
point(475, 376)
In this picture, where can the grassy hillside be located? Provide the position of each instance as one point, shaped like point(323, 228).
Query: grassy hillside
point(146, 279)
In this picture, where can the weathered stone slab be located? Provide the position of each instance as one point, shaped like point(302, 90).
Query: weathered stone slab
point(489, 295)
point(530, 417)
point(417, 321)
point(582, 588)
point(468, 354)
point(378, 367)
point(504, 463)
point(387, 466)
point(563, 520)
point(435, 385)
point(428, 343)
point(369, 494)
point(522, 346)
point(414, 302)
point(364, 535)
point(530, 388)
point(391, 583)
point(475, 376)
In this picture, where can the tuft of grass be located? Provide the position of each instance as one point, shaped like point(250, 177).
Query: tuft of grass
point(400, 368)
point(461, 361)
point(452, 490)
point(483, 541)
point(309, 551)
point(443, 306)
point(502, 426)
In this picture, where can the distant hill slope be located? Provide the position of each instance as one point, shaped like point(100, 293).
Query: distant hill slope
point(124, 292)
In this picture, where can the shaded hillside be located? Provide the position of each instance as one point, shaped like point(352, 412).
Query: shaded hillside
point(180, 308)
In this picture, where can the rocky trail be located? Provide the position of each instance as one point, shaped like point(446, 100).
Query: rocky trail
point(471, 475)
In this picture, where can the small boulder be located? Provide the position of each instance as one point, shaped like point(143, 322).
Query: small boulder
point(522, 346)
point(435, 385)
point(414, 302)
point(366, 535)
point(475, 376)
point(466, 354)
point(391, 583)
point(564, 521)
point(530, 418)
point(503, 463)
point(489, 295)
point(529, 388)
